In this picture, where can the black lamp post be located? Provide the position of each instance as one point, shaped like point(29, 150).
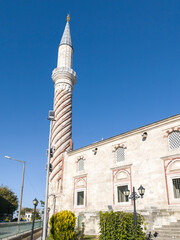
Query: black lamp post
point(134, 196)
point(35, 202)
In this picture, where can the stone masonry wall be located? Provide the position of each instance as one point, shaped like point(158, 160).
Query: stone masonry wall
point(145, 163)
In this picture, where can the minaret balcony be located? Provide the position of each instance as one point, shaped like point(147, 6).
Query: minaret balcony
point(64, 73)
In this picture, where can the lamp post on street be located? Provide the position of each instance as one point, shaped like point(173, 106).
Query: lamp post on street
point(35, 202)
point(134, 196)
point(22, 185)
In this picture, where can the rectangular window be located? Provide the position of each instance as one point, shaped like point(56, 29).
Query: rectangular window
point(174, 139)
point(80, 198)
point(176, 187)
point(81, 165)
point(120, 194)
point(120, 156)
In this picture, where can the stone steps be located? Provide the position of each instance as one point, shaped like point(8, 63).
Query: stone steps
point(167, 232)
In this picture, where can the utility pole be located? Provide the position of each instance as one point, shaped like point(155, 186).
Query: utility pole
point(51, 119)
point(22, 185)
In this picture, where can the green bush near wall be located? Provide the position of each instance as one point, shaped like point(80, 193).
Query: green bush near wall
point(120, 225)
point(62, 225)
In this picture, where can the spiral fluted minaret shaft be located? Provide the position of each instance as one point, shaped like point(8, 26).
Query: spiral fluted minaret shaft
point(64, 79)
point(61, 129)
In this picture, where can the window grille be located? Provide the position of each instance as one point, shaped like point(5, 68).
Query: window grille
point(120, 193)
point(80, 198)
point(174, 140)
point(81, 164)
point(176, 187)
point(120, 156)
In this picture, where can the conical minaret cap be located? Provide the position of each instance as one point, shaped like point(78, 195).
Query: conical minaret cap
point(66, 38)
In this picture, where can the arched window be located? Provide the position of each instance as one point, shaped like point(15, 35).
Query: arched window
point(81, 164)
point(120, 154)
point(174, 139)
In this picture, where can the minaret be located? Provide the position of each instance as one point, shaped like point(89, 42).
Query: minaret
point(64, 79)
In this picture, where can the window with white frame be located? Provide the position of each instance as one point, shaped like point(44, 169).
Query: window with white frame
point(176, 187)
point(120, 155)
point(80, 198)
point(174, 139)
point(81, 165)
point(120, 194)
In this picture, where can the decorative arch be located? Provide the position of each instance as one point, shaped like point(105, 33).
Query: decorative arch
point(174, 165)
point(170, 130)
point(80, 157)
point(120, 145)
point(80, 183)
point(121, 175)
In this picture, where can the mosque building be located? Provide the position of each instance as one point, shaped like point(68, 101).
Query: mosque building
point(94, 177)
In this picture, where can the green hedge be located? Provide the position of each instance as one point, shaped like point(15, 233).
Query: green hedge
point(120, 225)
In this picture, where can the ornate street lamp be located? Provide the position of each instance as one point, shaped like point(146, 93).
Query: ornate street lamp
point(134, 196)
point(35, 202)
point(141, 191)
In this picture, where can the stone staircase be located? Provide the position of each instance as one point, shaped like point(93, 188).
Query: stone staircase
point(167, 232)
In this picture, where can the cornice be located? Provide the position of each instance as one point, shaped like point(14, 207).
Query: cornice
point(127, 134)
point(177, 155)
point(80, 175)
point(121, 167)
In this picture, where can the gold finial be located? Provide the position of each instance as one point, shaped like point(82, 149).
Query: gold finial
point(68, 18)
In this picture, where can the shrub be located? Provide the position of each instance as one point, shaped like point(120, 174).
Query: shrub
point(62, 225)
point(120, 225)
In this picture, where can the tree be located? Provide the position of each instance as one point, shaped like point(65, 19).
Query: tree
point(42, 203)
point(26, 209)
point(8, 201)
point(37, 215)
point(42, 206)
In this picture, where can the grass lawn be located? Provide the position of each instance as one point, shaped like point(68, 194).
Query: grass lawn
point(49, 238)
point(86, 238)
point(90, 237)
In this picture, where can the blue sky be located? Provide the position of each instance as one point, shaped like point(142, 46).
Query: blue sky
point(127, 58)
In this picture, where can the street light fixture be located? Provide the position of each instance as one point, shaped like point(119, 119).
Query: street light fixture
point(141, 191)
point(51, 118)
point(134, 196)
point(35, 202)
point(22, 185)
point(127, 192)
